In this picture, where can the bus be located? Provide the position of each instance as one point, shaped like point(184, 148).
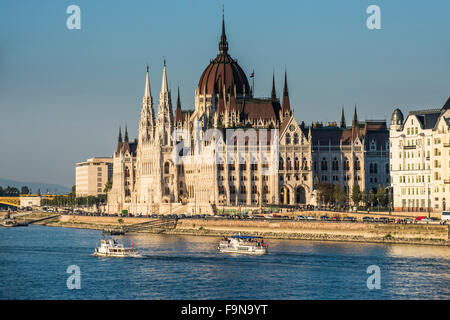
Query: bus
point(445, 215)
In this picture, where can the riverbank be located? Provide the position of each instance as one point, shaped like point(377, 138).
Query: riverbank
point(273, 229)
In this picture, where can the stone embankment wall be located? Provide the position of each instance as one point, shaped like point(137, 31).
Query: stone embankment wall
point(341, 229)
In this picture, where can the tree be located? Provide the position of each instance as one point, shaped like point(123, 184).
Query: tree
point(381, 196)
point(339, 195)
point(325, 192)
point(371, 198)
point(356, 194)
point(108, 186)
point(25, 190)
point(1, 191)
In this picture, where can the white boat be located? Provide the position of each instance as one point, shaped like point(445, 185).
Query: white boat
point(243, 244)
point(111, 248)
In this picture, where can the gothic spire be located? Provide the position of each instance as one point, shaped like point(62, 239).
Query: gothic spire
point(274, 93)
point(148, 93)
point(178, 99)
point(285, 89)
point(223, 44)
point(286, 105)
point(343, 125)
point(120, 135)
point(355, 118)
point(164, 86)
point(126, 134)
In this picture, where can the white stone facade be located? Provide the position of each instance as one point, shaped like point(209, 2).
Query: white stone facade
point(420, 159)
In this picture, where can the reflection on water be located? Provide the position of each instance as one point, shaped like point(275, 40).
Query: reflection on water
point(33, 262)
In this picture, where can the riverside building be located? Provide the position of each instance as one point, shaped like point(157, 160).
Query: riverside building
point(420, 159)
point(92, 175)
point(235, 149)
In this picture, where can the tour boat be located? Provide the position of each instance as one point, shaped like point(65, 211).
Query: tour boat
point(243, 244)
point(111, 248)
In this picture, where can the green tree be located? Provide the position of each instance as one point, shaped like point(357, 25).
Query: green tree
point(356, 194)
point(108, 186)
point(325, 192)
point(371, 198)
point(381, 196)
point(25, 190)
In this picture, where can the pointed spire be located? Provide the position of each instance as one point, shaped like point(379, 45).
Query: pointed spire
point(343, 124)
point(126, 134)
point(223, 44)
point(120, 135)
point(285, 89)
point(274, 93)
point(286, 105)
point(178, 99)
point(164, 86)
point(355, 117)
point(148, 93)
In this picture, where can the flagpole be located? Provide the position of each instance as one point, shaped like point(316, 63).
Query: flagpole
point(253, 77)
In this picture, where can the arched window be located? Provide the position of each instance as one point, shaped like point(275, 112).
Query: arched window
point(346, 164)
point(288, 138)
point(304, 164)
point(357, 164)
point(296, 163)
point(324, 165)
point(288, 163)
point(295, 138)
point(166, 168)
point(281, 164)
point(335, 165)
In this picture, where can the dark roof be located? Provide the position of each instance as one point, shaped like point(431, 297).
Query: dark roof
point(368, 131)
point(427, 118)
point(447, 104)
point(255, 109)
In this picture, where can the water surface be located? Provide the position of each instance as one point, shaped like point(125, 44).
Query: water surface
point(34, 260)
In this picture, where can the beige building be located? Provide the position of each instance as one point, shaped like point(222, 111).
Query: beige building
point(30, 201)
point(420, 159)
point(92, 175)
point(237, 149)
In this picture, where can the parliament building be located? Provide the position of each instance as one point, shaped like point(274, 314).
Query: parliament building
point(235, 149)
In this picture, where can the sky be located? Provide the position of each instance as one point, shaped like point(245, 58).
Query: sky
point(64, 93)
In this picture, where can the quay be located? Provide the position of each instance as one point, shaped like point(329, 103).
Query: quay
point(412, 233)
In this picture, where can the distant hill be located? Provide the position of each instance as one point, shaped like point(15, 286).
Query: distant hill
point(34, 186)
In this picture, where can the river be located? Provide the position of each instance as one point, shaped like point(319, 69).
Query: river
point(34, 262)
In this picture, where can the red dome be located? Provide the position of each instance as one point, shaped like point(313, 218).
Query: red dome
point(223, 71)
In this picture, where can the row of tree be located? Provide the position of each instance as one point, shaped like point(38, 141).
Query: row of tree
point(333, 194)
point(13, 191)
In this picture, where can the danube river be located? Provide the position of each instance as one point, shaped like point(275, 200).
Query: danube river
point(34, 261)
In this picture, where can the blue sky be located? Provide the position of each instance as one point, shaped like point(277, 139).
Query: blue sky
point(64, 93)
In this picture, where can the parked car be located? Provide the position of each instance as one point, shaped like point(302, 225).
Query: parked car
point(311, 218)
point(301, 218)
point(324, 218)
point(349, 219)
point(368, 219)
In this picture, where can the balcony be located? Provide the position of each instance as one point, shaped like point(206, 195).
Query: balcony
point(447, 181)
point(447, 145)
point(409, 147)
